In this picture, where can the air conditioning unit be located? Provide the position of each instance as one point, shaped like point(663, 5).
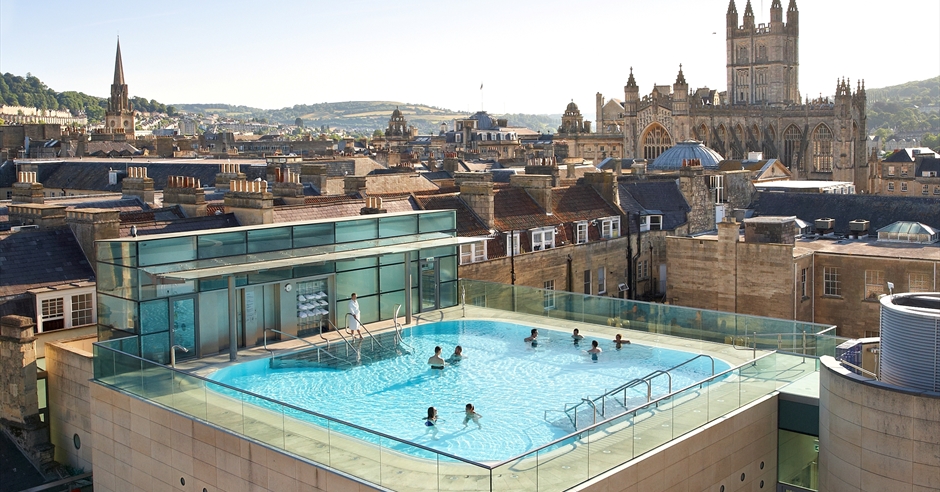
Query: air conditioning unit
point(859, 225)
point(622, 287)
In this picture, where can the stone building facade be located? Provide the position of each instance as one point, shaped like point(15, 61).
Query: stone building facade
point(761, 111)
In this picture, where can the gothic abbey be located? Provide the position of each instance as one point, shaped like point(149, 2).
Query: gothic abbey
point(761, 111)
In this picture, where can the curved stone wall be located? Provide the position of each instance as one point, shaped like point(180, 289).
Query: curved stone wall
point(874, 436)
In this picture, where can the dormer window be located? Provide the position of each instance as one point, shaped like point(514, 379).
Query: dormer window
point(472, 253)
point(651, 223)
point(610, 227)
point(581, 232)
point(543, 238)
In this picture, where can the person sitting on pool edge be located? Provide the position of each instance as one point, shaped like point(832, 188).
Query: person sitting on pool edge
point(619, 341)
point(457, 356)
point(576, 336)
point(594, 350)
point(533, 338)
point(435, 360)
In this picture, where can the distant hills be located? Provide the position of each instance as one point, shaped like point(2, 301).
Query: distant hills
point(362, 116)
point(910, 108)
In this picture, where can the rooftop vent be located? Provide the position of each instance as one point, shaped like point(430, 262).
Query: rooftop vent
point(859, 227)
point(825, 226)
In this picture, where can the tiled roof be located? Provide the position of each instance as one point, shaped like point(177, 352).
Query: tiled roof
point(574, 203)
point(157, 214)
point(658, 197)
point(180, 225)
point(40, 258)
point(515, 209)
point(879, 210)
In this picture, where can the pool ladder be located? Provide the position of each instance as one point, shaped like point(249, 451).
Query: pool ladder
point(319, 350)
point(572, 411)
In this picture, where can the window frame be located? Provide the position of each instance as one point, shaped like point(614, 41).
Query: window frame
point(610, 227)
point(512, 244)
point(922, 284)
point(70, 307)
point(581, 232)
point(874, 284)
point(476, 253)
point(543, 242)
point(601, 280)
point(548, 295)
point(832, 286)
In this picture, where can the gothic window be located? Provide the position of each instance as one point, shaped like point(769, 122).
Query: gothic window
point(703, 134)
point(742, 54)
point(792, 137)
point(739, 135)
point(822, 149)
point(762, 53)
point(756, 132)
point(655, 141)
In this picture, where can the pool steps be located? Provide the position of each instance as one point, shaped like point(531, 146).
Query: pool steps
point(387, 346)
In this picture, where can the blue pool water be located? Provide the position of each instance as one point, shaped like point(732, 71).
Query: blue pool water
point(510, 383)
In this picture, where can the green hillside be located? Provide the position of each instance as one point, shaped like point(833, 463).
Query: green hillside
point(913, 107)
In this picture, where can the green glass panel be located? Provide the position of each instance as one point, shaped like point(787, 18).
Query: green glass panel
point(270, 276)
point(392, 277)
point(438, 221)
point(117, 280)
point(170, 250)
point(151, 290)
point(392, 259)
point(398, 226)
point(313, 235)
point(154, 316)
point(362, 282)
point(344, 266)
point(313, 270)
point(115, 313)
point(448, 268)
point(448, 293)
point(438, 252)
point(388, 302)
point(117, 252)
point(356, 230)
point(224, 244)
point(273, 239)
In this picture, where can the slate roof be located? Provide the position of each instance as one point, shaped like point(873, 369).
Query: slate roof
point(908, 154)
point(146, 228)
point(94, 175)
point(40, 258)
point(928, 164)
point(108, 147)
point(16, 472)
point(879, 210)
point(165, 213)
point(657, 198)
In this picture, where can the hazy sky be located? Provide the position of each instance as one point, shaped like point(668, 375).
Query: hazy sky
point(530, 56)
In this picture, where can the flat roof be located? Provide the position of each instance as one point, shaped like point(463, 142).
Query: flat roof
point(220, 267)
point(803, 184)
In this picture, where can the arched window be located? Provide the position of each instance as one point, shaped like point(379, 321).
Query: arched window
point(655, 141)
point(755, 131)
point(791, 145)
point(703, 134)
point(741, 142)
point(822, 149)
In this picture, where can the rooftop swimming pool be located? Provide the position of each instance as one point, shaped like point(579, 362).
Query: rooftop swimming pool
point(519, 389)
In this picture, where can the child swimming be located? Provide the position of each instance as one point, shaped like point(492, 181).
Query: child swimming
point(472, 415)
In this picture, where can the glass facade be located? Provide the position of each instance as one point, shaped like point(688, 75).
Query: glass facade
point(158, 291)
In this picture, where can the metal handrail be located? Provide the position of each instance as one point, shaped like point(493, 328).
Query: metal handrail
point(636, 382)
point(308, 342)
point(853, 366)
point(399, 329)
point(348, 344)
point(593, 406)
point(372, 338)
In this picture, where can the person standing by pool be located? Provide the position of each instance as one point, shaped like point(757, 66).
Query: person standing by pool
point(354, 324)
point(471, 415)
point(436, 361)
point(594, 350)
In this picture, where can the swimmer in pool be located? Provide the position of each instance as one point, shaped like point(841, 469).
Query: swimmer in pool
point(594, 350)
point(435, 361)
point(471, 416)
point(533, 338)
point(431, 422)
point(457, 355)
point(619, 341)
point(576, 336)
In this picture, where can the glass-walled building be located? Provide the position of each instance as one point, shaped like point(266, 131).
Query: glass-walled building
point(214, 291)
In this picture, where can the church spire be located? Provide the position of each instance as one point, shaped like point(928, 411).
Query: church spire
point(118, 66)
point(631, 82)
point(680, 79)
point(748, 11)
point(731, 8)
point(792, 6)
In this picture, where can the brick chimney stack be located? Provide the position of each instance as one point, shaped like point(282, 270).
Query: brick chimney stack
point(39, 214)
point(538, 186)
point(228, 172)
point(476, 190)
point(187, 192)
point(250, 202)
point(288, 187)
point(373, 206)
point(93, 224)
point(138, 184)
point(27, 189)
